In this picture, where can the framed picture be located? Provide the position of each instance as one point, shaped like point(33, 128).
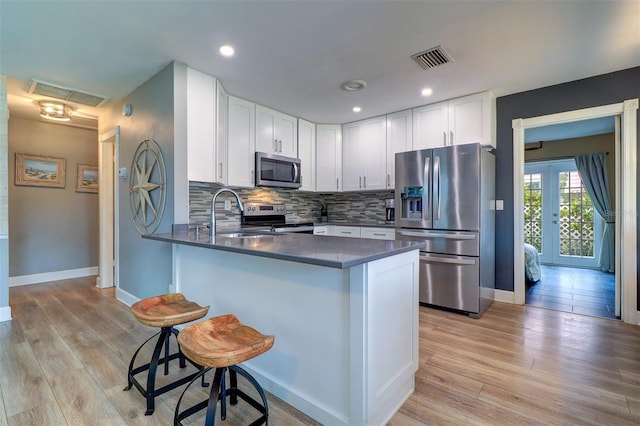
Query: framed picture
point(38, 170)
point(87, 178)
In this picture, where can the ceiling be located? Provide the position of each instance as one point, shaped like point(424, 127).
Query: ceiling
point(293, 55)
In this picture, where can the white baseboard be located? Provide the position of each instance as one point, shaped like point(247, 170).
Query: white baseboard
point(5, 314)
point(125, 297)
point(52, 276)
point(504, 296)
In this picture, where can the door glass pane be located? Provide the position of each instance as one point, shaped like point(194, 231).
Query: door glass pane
point(576, 217)
point(533, 210)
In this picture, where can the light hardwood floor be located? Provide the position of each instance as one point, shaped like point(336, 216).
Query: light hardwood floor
point(63, 360)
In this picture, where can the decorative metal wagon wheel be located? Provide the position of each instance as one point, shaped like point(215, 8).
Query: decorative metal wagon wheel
point(147, 186)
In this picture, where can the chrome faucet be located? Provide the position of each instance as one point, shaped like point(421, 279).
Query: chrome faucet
point(212, 225)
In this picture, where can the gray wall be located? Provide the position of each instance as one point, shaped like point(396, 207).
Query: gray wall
point(52, 229)
point(591, 92)
point(145, 266)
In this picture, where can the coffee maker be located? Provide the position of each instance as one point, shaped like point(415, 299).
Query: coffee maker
point(390, 211)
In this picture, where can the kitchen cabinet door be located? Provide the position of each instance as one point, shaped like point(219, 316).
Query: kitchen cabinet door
point(307, 154)
point(351, 155)
point(276, 133)
point(378, 233)
point(347, 231)
point(221, 135)
point(430, 126)
point(241, 143)
point(201, 113)
point(373, 145)
point(399, 139)
point(472, 120)
point(328, 158)
point(364, 155)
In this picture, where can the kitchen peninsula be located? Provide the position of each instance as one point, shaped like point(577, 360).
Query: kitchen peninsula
point(344, 313)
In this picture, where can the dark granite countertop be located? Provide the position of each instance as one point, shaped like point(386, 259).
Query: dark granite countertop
point(332, 252)
point(360, 224)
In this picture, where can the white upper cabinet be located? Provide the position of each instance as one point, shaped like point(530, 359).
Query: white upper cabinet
point(399, 139)
point(276, 133)
point(430, 125)
point(201, 126)
point(307, 154)
point(470, 119)
point(364, 155)
point(241, 142)
point(221, 134)
point(328, 157)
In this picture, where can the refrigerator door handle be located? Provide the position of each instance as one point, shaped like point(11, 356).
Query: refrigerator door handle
point(436, 187)
point(448, 260)
point(427, 234)
point(426, 196)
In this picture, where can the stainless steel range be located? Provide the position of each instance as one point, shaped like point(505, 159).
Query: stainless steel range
point(272, 218)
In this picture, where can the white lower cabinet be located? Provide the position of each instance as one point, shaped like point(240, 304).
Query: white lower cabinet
point(355, 232)
point(322, 230)
point(347, 231)
point(378, 233)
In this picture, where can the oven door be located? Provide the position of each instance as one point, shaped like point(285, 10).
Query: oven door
point(450, 281)
point(277, 171)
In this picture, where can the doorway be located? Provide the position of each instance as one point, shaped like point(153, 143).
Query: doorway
point(625, 208)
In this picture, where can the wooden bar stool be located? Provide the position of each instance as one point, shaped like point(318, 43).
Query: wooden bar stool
point(165, 311)
point(221, 343)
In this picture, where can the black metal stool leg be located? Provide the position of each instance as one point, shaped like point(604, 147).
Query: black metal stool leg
point(177, 415)
point(233, 400)
point(210, 420)
point(151, 375)
point(133, 360)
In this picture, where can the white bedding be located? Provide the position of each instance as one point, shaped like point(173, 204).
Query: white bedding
point(531, 263)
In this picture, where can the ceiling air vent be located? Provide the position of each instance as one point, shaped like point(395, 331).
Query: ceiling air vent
point(432, 58)
point(66, 94)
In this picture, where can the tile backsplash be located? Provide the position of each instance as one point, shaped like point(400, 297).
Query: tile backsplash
point(352, 207)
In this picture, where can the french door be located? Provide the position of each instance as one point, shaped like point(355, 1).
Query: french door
point(560, 220)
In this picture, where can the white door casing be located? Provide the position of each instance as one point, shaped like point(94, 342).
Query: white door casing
point(626, 208)
point(108, 154)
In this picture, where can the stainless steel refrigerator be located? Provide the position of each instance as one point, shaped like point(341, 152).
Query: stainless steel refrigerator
point(446, 198)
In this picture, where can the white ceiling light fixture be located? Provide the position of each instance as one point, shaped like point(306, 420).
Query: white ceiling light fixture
point(55, 111)
point(226, 51)
point(353, 85)
point(427, 91)
point(357, 109)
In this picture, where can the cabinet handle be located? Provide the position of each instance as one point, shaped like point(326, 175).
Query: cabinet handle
point(451, 138)
point(337, 183)
point(281, 145)
point(388, 179)
point(220, 168)
point(377, 234)
point(444, 138)
point(346, 232)
point(365, 182)
point(359, 181)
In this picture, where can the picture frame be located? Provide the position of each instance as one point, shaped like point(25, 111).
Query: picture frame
point(40, 170)
point(87, 178)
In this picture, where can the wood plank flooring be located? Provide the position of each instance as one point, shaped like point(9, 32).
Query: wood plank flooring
point(63, 361)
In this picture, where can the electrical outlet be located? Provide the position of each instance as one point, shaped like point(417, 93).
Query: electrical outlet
point(499, 204)
point(227, 205)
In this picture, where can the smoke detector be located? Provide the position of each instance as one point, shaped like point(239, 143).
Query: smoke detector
point(432, 58)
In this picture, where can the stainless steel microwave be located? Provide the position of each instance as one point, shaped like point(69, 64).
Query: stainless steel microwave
point(277, 171)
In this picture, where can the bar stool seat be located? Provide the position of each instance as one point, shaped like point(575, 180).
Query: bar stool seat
point(164, 311)
point(221, 343)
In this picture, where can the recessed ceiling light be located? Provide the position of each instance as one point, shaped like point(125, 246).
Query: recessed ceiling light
point(427, 91)
point(357, 109)
point(353, 85)
point(226, 50)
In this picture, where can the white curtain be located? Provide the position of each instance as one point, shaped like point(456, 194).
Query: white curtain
point(593, 173)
